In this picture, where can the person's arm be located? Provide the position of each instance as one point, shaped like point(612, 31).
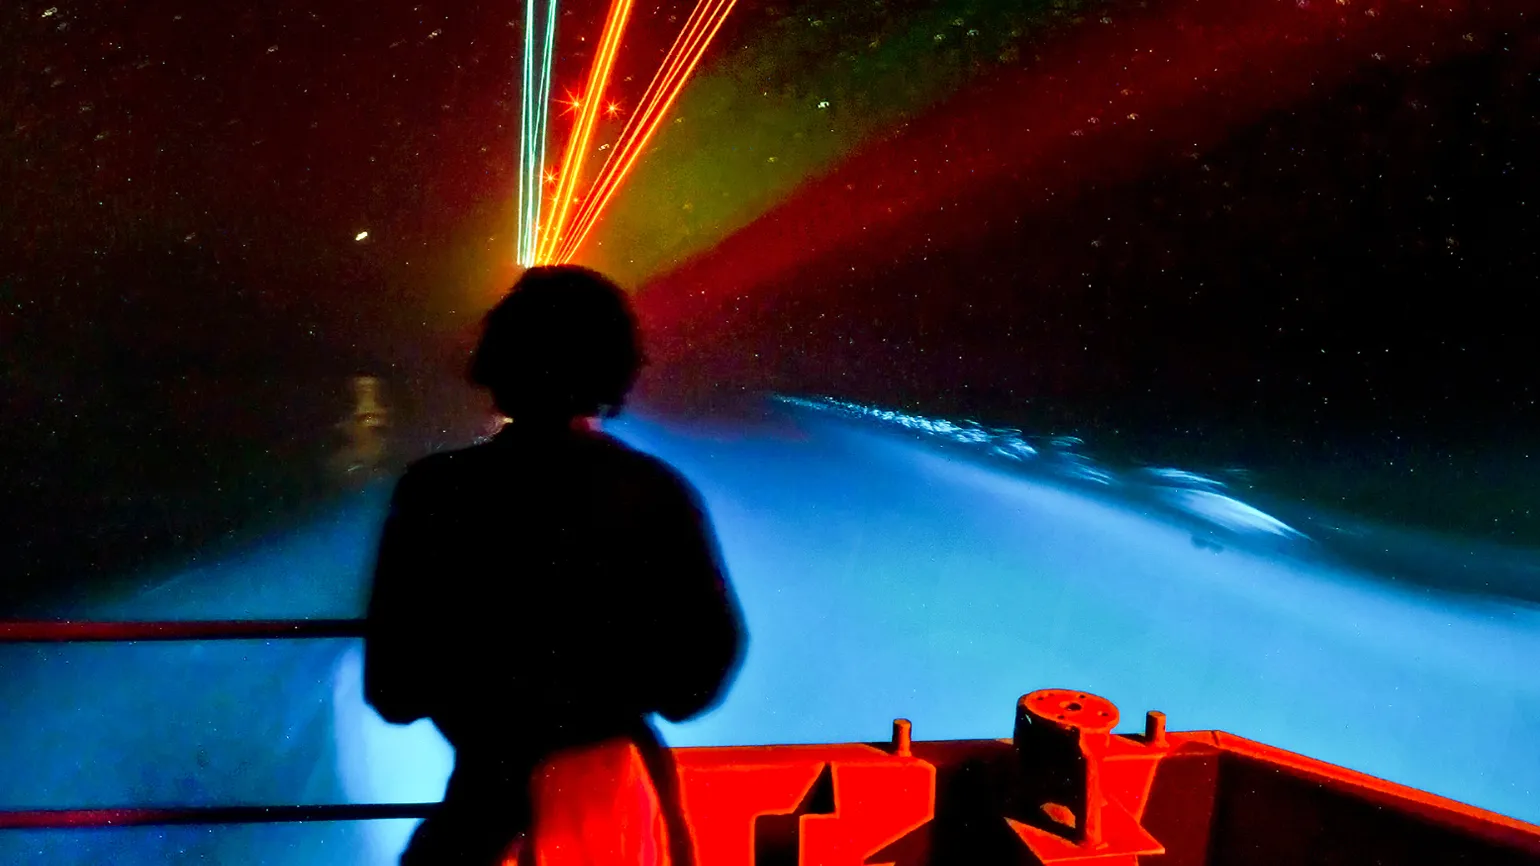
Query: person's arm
point(701, 636)
point(394, 670)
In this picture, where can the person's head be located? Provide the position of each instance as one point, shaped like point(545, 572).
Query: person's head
point(562, 345)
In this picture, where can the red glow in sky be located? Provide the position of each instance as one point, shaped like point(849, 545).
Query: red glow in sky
point(1145, 84)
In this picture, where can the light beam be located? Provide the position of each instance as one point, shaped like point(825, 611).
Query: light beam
point(582, 132)
point(534, 119)
point(704, 22)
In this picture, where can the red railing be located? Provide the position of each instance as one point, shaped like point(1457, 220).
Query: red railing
point(62, 631)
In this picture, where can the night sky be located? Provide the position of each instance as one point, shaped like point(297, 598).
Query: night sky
point(1227, 228)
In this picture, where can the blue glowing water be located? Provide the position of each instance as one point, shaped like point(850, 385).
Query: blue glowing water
point(888, 565)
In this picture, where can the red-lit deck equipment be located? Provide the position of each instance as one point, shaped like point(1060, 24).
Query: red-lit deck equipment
point(1066, 790)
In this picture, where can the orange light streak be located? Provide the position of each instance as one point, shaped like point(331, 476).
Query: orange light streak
point(668, 75)
point(577, 145)
point(705, 20)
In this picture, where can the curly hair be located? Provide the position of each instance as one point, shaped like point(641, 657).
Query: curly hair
point(563, 344)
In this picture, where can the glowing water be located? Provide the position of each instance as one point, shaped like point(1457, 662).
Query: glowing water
point(882, 577)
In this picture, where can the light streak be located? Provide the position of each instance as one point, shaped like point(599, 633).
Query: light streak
point(705, 20)
point(577, 145)
point(533, 125)
point(667, 73)
point(526, 126)
point(538, 193)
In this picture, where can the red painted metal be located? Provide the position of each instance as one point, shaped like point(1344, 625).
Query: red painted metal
point(1063, 812)
point(848, 802)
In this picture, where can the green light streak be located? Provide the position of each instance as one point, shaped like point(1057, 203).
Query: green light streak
point(534, 116)
point(807, 86)
point(525, 112)
point(545, 112)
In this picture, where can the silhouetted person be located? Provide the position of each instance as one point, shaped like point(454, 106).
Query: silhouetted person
point(547, 591)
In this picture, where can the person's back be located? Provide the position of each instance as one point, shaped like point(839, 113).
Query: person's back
point(543, 591)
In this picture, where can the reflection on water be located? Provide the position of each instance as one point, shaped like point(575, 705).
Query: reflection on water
point(362, 457)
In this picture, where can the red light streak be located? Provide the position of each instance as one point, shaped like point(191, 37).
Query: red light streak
point(1189, 71)
point(670, 79)
point(577, 145)
point(705, 20)
point(666, 72)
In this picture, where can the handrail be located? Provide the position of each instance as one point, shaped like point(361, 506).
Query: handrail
point(70, 631)
point(81, 819)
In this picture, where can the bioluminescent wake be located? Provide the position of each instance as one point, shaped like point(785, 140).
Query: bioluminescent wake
point(1199, 501)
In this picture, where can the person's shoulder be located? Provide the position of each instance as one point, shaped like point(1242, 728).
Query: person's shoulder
point(442, 468)
point(441, 462)
point(649, 470)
